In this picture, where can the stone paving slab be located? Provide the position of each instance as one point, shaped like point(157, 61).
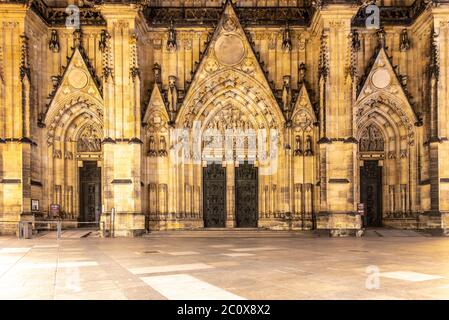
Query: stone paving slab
point(260, 267)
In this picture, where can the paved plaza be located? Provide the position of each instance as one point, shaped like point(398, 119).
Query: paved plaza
point(220, 265)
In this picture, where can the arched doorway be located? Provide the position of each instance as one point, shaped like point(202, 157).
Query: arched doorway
point(88, 144)
point(371, 151)
point(74, 159)
point(387, 159)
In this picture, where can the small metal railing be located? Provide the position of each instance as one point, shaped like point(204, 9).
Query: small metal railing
point(27, 228)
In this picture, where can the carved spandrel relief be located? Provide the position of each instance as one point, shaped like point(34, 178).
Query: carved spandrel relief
point(89, 140)
point(229, 49)
point(302, 122)
point(230, 118)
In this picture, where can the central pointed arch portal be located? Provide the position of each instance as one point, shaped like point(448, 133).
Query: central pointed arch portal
point(230, 91)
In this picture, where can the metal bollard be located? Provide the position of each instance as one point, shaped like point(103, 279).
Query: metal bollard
point(103, 231)
point(58, 230)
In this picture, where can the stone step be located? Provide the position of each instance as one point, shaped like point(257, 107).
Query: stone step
point(229, 232)
point(384, 232)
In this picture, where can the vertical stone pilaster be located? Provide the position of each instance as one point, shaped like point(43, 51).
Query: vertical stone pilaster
point(15, 159)
point(337, 145)
point(438, 217)
point(122, 145)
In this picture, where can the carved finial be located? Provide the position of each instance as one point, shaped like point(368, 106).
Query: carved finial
point(405, 41)
point(171, 42)
point(287, 39)
point(54, 41)
point(435, 53)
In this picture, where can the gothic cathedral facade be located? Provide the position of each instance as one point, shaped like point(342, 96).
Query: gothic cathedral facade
point(189, 114)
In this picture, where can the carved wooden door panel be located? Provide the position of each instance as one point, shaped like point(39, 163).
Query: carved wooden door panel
point(371, 192)
point(90, 192)
point(246, 196)
point(214, 196)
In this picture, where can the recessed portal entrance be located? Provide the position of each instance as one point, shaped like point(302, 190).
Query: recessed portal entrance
point(90, 192)
point(214, 196)
point(246, 213)
point(371, 192)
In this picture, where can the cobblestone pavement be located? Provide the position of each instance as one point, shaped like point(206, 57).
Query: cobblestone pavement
point(207, 265)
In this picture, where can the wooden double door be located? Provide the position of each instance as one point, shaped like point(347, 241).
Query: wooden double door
point(371, 192)
point(246, 196)
point(90, 192)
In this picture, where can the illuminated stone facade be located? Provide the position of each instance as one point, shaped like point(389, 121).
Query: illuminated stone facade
point(91, 119)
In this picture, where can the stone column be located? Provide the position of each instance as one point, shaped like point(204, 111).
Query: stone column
point(230, 195)
point(122, 144)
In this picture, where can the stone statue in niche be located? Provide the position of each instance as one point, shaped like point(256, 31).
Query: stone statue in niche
point(405, 41)
point(381, 38)
point(302, 73)
point(157, 72)
point(171, 42)
point(77, 38)
point(89, 140)
point(287, 39)
point(152, 147)
point(308, 151)
point(162, 147)
point(298, 146)
point(286, 94)
point(172, 97)
point(371, 140)
point(54, 41)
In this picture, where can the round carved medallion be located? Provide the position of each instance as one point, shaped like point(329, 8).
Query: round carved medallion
point(78, 79)
point(229, 50)
point(381, 79)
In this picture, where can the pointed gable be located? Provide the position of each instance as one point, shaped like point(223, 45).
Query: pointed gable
point(303, 116)
point(156, 116)
point(230, 57)
point(77, 80)
point(303, 103)
point(382, 78)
